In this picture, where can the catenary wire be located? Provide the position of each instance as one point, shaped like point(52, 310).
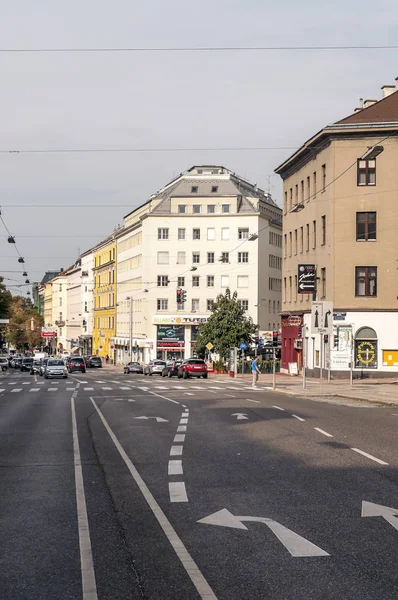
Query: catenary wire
point(164, 49)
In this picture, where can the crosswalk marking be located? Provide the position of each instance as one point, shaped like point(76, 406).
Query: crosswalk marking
point(26, 382)
point(214, 387)
point(16, 390)
point(52, 389)
point(2, 390)
point(70, 389)
point(124, 388)
point(34, 389)
point(88, 389)
point(106, 388)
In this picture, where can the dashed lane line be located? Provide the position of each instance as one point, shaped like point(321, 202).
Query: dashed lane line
point(182, 428)
point(378, 460)
point(179, 438)
point(323, 432)
point(88, 389)
point(183, 421)
point(298, 418)
point(255, 401)
point(34, 389)
point(106, 388)
point(16, 390)
point(175, 467)
point(176, 451)
point(52, 389)
point(279, 408)
point(124, 388)
point(177, 491)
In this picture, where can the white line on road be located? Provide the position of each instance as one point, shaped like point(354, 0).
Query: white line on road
point(381, 462)
point(176, 451)
point(86, 556)
point(105, 388)
point(230, 395)
point(2, 390)
point(175, 467)
point(190, 394)
point(16, 390)
point(25, 382)
point(88, 389)
point(177, 491)
point(214, 387)
point(33, 389)
point(279, 408)
point(182, 428)
point(183, 421)
point(298, 418)
point(52, 389)
point(68, 389)
point(124, 388)
point(256, 401)
point(323, 432)
point(164, 397)
point(198, 580)
point(179, 437)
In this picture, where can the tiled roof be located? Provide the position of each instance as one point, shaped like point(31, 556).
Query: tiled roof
point(384, 111)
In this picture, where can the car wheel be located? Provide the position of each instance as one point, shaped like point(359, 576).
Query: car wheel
point(150, 374)
point(65, 377)
point(45, 376)
point(205, 376)
point(185, 375)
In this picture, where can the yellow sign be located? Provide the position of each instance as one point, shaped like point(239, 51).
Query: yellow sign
point(366, 353)
point(209, 346)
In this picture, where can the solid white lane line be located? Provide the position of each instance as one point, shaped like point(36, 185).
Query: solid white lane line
point(177, 491)
point(16, 390)
point(198, 580)
point(179, 437)
point(182, 428)
point(255, 401)
point(175, 467)
point(183, 421)
point(279, 408)
point(33, 389)
point(298, 418)
point(176, 451)
point(381, 462)
point(323, 432)
point(88, 389)
point(164, 397)
point(86, 556)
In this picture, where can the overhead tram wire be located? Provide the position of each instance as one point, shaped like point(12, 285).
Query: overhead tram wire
point(204, 49)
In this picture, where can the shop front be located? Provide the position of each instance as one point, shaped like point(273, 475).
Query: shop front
point(292, 344)
point(170, 342)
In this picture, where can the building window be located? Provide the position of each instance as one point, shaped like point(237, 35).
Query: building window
point(308, 188)
point(302, 191)
point(85, 307)
point(323, 230)
point(243, 233)
point(210, 257)
point(291, 198)
point(180, 281)
point(163, 258)
point(366, 226)
point(196, 258)
point(243, 281)
point(194, 189)
point(296, 194)
point(60, 301)
point(284, 289)
point(366, 172)
point(225, 208)
point(196, 209)
point(181, 234)
point(163, 281)
point(323, 178)
point(214, 189)
point(314, 234)
point(290, 243)
point(366, 281)
point(225, 233)
point(182, 209)
point(210, 281)
point(295, 289)
point(275, 262)
point(196, 234)
point(295, 241)
point(211, 233)
point(195, 304)
point(224, 281)
point(243, 257)
point(308, 237)
point(195, 281)
point(290, 288)
point(323, 283)
point(163, 233)
point(210, 305)
point(274, 284)
point(162, 304)
point(244, 304)
point(180, 258)
point(224, 257)
point(285, 249)
point(314, 184)
point(60, 287)
point(181, 307)
point(285, 204)
point(211, 209)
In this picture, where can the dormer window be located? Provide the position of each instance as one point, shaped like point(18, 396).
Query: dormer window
point(214, 189)
point(194, 189)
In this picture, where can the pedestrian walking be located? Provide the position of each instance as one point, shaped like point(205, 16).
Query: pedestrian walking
point(106, 359)
point(255, 372)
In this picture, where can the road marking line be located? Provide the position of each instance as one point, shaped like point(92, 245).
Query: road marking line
point(184, 405)
point(214, 387)
point(88, 389)
point(190, 394)
point(230, 395)
point(195, 387)
point(175, 467)
point(16, 390)
point(231, 388)
point(40, 383)
point(2, 390)
point(160, 387)
point(323, 432)
point(182, 428)
point(68, 389)
point(106, 388)
point(179, 437)
point(25, 382)
point(177, 491)
point(183, 421)
point(381, 462)
point(97, 381)
point(298, 418)
point(52, 389)
point(33, 389)
point(12, 383)
point(177, 387)
point(124, 388)
point(198, 580)
point(279, 408)
point(164, 397)
point(185, 413)
point(86, 556)
point(256, 401)
point(176, 451)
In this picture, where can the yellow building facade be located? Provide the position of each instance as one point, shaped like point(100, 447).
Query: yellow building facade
point(104, 298)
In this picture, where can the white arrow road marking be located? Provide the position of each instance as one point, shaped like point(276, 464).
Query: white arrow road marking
point(381, 462)
point(369, 509)
point(239, 416)
point(158, 419)
point(294, 543)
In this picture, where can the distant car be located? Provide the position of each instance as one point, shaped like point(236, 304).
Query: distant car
point(76, 364)
point(192, 367)
point(55, 368)
point(171, 369)
point(16, 363)
point(93, 362)
point(154, 367)
point(43, 364)
point(4, 364)
point(133, 367)
point(35, 368)
point(26, 364)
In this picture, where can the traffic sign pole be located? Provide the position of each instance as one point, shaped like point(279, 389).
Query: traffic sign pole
point(321, 358)
point(274, 371)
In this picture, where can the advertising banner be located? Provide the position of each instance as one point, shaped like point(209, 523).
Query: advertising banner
point(170, 336)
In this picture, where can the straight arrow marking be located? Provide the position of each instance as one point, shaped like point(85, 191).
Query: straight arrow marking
point(369, 509)
point(239, 416)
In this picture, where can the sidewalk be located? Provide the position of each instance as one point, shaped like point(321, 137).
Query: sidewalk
point(383, 391)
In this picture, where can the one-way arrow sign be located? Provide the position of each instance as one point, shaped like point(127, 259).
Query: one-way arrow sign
point(158, 419)
point(239, 416)
point(369, 509)
point(294, 543)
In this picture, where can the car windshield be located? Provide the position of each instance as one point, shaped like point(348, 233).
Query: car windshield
point(77, 361)
point(55, 363)
point(158, 363)
point(134, 364)
point(28, 360)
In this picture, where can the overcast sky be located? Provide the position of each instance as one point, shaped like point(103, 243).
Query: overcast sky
point(164, 100)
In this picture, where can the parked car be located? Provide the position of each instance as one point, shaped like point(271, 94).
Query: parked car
point(171, 369)
point(43, 364)
point(93, 362)
point(26, 364)
point(133, 367)
point(16, 363)
point(192, 367)
point(4, 364)
point(154, 367)
point(35, 368)
point(76, 364)
point(55, 368)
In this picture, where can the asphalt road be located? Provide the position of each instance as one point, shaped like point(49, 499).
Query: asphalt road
point(127, 487)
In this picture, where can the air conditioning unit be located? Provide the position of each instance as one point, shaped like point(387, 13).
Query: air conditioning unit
point(298, 344)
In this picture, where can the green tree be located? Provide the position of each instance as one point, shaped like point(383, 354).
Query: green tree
point(23, 333)
point(5, 300)
point(226, 328)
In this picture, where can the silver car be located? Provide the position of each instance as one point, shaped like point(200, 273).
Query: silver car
point(55, 368)
point(155, 367)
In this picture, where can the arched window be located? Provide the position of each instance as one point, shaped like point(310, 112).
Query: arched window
point(366, 348)
point(366, 333)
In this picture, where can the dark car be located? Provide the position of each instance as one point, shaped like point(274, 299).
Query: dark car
point(133, 367)
point(26, 364)
point(193, 367)
point(76, 364)
point(35, 367)
point(93, 362)
point(171, 369)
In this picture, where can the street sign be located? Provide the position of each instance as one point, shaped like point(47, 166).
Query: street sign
point(49, 334)
point(243, 346)
point(339, 316)
point(306, 279)
point(322, 317)
point(209, 346)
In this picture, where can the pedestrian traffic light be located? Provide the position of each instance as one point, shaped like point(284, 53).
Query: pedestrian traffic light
point(275, 340)
point(179, 296)
point(326, 339)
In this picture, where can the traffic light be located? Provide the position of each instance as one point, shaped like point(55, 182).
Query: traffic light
point(275, 340)
point(179, 296)
point(326, 338)
point(183, 296)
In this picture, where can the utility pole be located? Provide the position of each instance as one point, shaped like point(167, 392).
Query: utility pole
point(131, 329)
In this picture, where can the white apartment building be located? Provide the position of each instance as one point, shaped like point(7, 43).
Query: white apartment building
point(73, 317)
point(86, 298)
point(204, 232)
point(60, 309)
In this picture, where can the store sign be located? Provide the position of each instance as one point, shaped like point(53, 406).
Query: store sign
point(365, 354)
point(170, 336)
point(306, 279)
point(179, 319)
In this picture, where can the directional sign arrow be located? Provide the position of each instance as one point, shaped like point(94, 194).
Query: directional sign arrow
point(239, 416)
point(158, 419)
point(294, 543)
point(369, 509)
point(306, 286)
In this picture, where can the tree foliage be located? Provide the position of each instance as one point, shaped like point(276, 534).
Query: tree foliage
point(226, 328)
point(5, 300)
point(20, 333)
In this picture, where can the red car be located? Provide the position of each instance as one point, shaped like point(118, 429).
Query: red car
point(192, 367)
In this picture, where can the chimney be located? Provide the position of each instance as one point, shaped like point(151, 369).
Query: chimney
point(387, 90)
point(360, 107)
point(368, 103)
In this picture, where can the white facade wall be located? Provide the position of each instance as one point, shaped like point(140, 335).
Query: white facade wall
point(87, 284)
point(74, 304)
point(60, 309)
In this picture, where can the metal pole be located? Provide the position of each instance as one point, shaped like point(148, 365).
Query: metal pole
point(321, 359)
point(305, 355)
point(274, 371)
point(351, 357)
point(330, 354)
point(131, 329)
